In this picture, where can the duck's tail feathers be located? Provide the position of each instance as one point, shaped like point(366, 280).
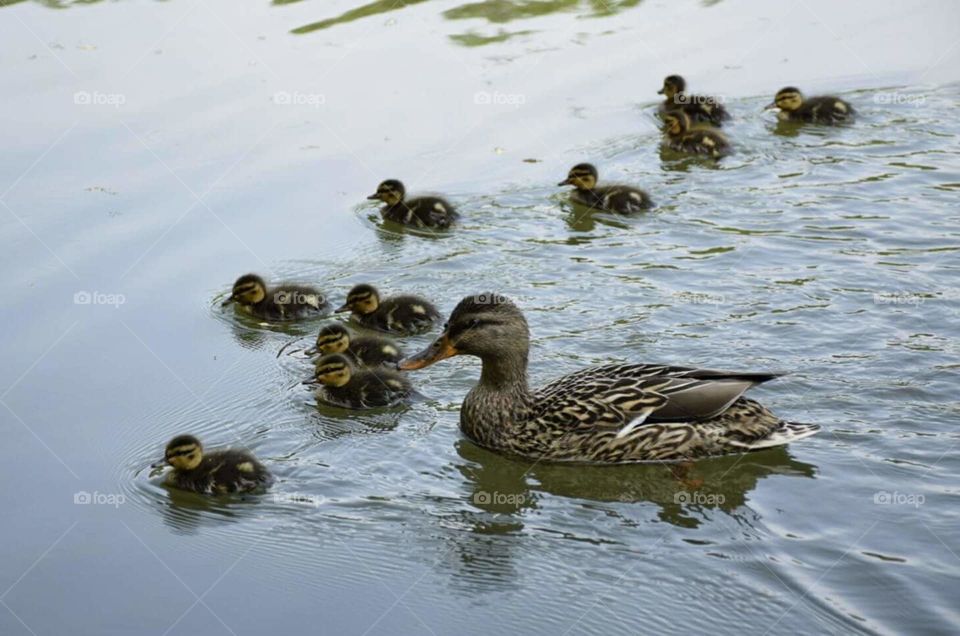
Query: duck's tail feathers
point(786, 433)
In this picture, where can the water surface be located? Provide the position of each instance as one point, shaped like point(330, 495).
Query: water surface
point(156, 151)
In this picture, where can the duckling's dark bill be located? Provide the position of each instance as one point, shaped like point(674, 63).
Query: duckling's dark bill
point(565, 182)
point(441, 349)
point(228, 301)
point(341, 309)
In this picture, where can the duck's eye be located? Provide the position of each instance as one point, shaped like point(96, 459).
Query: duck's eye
point(475, 323)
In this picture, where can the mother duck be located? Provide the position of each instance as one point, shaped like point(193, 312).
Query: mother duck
point(613, 413)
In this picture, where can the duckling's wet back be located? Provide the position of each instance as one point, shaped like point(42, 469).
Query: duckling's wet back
point(733, 411)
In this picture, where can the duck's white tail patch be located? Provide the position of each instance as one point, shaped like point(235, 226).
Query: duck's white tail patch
point(789, 432)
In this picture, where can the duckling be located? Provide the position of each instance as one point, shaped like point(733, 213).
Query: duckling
point(217, 472)
point(825, 109)
point(364, 351)
point(700, 108)
point(343, 385)
point(698, 140)
point(405, 315)
point(283, 302)
point(612, 198)
point(426, 211)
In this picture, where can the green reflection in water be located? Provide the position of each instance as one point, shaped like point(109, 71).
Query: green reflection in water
point(373, 8)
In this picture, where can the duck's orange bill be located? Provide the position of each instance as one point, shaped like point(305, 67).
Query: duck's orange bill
point(441, 349)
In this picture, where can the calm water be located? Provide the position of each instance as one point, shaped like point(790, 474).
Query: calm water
point(155, 151)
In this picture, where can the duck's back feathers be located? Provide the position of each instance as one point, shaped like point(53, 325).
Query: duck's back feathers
point(699, 108)
point(823, 110)
point(423, 212)
point(614, 198)
point(368, 388)
point(702, 141)
point(290, 302)
point(371, 351)
point(402, 314)
point(223, 472)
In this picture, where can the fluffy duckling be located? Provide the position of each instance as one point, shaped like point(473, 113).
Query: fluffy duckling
point(341, 384)
point(364, 351)
point(612, 198)
point(700, 108)
point(283, 302)
point(682, 136)
point(825, 109)
point(426, 211)
point(214, 473)
point(397, 314)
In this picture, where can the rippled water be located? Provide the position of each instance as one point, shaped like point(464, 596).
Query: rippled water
point(831, 253)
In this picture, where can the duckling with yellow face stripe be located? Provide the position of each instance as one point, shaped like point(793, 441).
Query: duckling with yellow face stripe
point(339, 383)
point(825, 109)
point(214, 473)
point(404, 315)
point(621, 199)
point(700, 108)
point(424, 211)
point(280, 303)
point(682, 136)
point(363, 351)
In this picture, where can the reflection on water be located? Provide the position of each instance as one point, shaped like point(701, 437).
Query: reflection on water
point(493, 11)
point(681, 491)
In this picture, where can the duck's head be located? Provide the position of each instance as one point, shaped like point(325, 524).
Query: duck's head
point(676, 123)
point(363, 299)
point(248, 290)
point(787, 99)
point(333, 338)
point(390, 192)
point(488, 326)
point(184, 452)
point(582, 175)
point(672, 85)
point(331, 370)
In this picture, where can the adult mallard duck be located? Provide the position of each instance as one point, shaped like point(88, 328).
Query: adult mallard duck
point(621, 199)
point(423, 211)
point(280, 303)
point(825, 109)
point(700, 108)
point(364, 351)
point(340, 384)
point(612, 413)
point(681, 135)
point(216, 472)
point(404, 315)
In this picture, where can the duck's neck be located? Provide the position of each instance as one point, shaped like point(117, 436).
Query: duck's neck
point(505, 372)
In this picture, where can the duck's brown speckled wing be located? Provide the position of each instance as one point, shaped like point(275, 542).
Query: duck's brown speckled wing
point(619, 395)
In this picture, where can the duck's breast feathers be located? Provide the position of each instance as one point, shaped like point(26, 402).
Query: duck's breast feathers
point(617, 394)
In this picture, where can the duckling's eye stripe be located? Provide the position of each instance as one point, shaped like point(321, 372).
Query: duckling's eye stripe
point(180, 453)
